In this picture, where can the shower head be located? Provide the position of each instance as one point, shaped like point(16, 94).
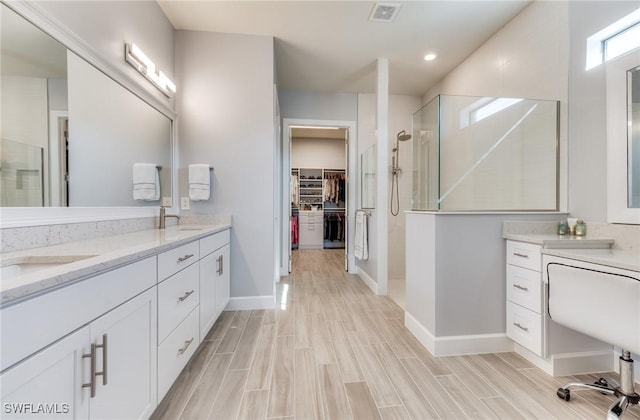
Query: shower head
point(403, 136)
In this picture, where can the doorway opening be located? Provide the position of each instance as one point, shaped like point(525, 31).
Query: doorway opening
point(318, 188)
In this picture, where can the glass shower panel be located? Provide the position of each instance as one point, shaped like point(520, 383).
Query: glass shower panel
point(21, 175)
point(492, 154)
point(425, 157)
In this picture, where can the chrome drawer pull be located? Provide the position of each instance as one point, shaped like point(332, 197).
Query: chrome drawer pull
point(92, 384)
point(517, 286)
point(219, 261)
point(186, 346)
point(186, 295)
point(186, 257)
point(521, 327)
point(103, 346)
point(519, 254)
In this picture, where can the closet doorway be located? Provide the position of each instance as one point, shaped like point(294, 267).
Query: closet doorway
point(318, 188)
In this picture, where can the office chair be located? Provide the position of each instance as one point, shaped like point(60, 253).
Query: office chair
point(606, 306)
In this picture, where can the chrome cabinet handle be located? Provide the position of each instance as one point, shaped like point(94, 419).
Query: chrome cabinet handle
point(186, 257)
point(92, 381)
point(221, 264)
point(517, 324)
point(103, 346)
point(520, 254)
point(517, 286)
point(219, 261)
point(186, 346)
point(186, 295)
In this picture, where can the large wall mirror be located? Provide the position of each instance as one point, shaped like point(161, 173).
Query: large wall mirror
point(70, 134)
point(623, 139)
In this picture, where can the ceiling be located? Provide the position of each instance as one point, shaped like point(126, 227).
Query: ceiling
point(331, 46)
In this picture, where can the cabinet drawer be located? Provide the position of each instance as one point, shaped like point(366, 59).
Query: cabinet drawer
point(175, 352)
point(174, 260)
point(213, 242)
point(524, 327)
point(524, 255)
point(310, 216)
point(524, 287)
point(177, 297)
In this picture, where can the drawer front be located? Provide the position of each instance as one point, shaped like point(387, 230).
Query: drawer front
point(177, 297)
point(174, 260)
point(524, 255)
point(524, 327)
point(213, 242)
point(311, 217)
point(524, 287)
point(175, 352)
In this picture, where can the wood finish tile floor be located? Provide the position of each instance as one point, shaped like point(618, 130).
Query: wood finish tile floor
point(331, 349)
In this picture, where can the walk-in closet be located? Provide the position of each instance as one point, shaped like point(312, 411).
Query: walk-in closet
point(318, 188)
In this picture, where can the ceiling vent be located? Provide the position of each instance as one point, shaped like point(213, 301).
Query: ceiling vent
point(384, 12)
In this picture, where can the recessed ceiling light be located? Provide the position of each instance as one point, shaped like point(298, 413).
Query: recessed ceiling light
point(384, 12)
point(430, 57)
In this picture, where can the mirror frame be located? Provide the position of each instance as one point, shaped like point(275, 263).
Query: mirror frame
point(38, 216)
point(617, 140)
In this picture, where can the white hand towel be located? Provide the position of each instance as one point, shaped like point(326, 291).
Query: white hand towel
point(361, 240)
point(146, 182)
point(199, 182)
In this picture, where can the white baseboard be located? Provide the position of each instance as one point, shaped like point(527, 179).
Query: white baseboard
point(366, 278)
point(250, 303)
point(457, 345)
point(566, 364)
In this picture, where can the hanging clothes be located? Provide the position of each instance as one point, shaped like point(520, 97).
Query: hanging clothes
point(294, 230)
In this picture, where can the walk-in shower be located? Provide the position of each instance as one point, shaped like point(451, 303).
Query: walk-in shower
point(395, 172)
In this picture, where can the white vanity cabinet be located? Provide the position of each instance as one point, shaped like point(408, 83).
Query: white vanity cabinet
point(524, 296)
point(111, 344)
point(311, 229)
point(214, 279)
point(105, 369)
point(554, 348)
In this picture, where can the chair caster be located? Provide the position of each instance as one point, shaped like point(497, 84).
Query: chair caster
point(602, 382)
point(563, 394)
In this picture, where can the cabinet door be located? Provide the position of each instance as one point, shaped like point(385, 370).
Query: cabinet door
point(209, 267)
point(223, 280)
point(49, 383)
point(128, 388)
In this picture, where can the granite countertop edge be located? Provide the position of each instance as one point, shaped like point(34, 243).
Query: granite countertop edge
point(555, 241)
point(107, 253)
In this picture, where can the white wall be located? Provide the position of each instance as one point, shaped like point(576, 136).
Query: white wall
point(226, 109)
point(318, 153)
point(527, 58)
point(401, 109)
point(107, 25)
point(587, 110)
point(318, 106)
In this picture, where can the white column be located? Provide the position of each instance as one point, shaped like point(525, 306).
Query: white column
point(382, 189)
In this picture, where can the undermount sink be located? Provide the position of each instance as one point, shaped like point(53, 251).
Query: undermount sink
point(23, 265)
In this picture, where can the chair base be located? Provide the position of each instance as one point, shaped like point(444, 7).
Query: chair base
point(625, 393)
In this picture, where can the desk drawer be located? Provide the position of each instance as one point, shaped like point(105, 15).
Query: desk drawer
point(524, 327)
point(524, 255)
point(524, 287)
point(174, 260)
point(177, 296)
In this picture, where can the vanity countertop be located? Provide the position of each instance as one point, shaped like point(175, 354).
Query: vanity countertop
point(91, 257)
point(555, 241)
point(624, 259)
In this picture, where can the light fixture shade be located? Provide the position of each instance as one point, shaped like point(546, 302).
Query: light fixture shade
point(141, 62)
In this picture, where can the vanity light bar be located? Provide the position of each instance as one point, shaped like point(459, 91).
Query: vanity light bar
point(139, 60)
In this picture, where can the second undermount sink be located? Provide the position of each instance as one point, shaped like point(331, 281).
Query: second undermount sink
point(20, 266)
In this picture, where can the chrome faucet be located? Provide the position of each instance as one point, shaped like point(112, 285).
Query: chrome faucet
point(163, 217)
